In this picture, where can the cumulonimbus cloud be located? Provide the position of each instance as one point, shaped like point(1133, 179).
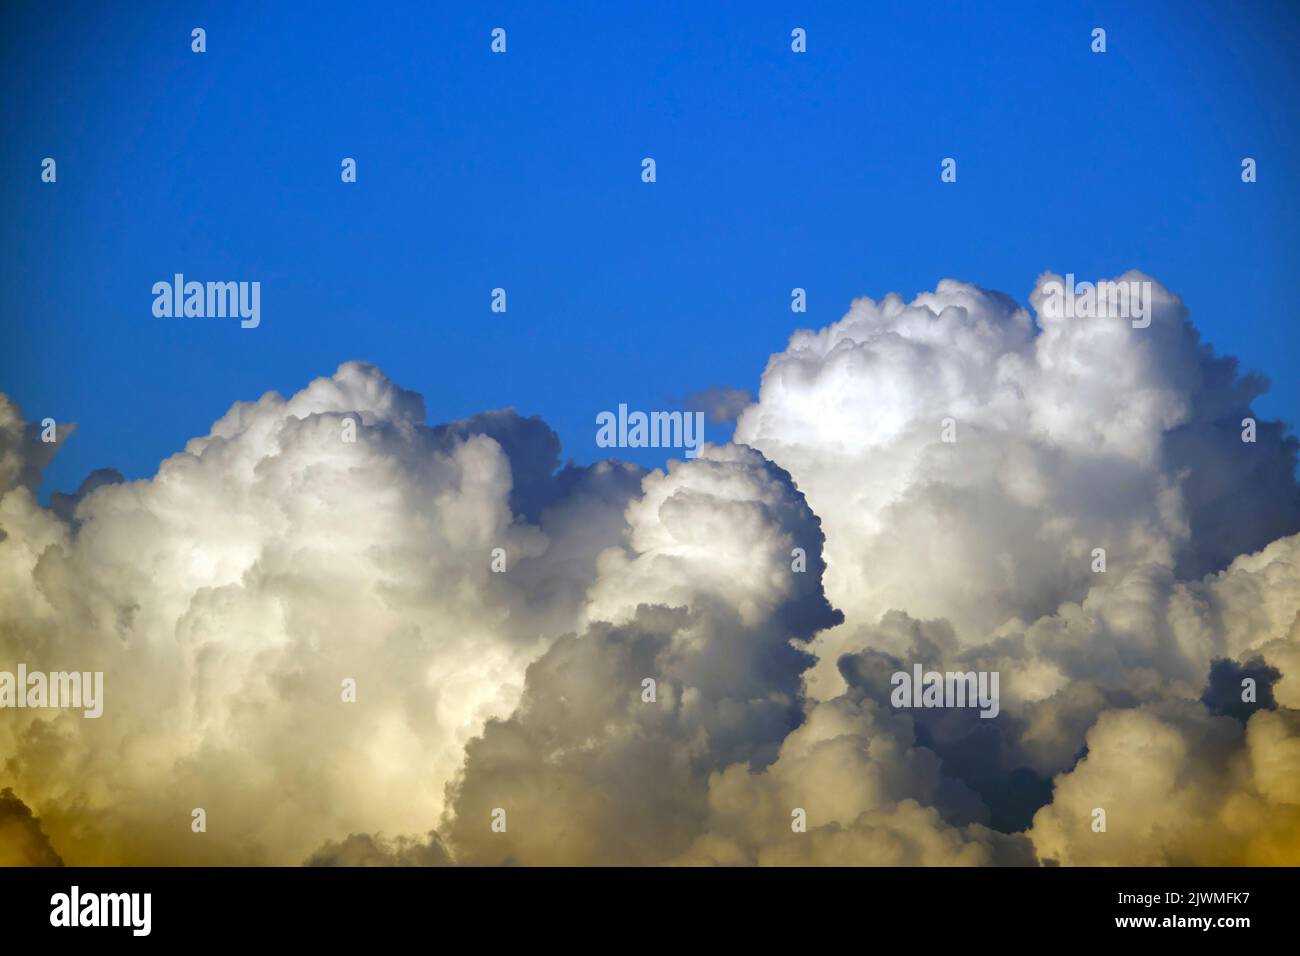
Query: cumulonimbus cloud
point(606, 665)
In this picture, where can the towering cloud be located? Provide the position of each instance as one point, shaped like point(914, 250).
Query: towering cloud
point(564, 664)
point(229, 598)
point(1066, 435)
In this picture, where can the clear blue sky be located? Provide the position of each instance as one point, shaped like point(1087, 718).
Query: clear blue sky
point(523, 171)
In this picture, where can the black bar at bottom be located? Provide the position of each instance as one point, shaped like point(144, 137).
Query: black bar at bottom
point(301, 905)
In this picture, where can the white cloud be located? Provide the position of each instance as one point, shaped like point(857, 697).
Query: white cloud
point(1179, 787)
point(700, 598)
point(227, 598)
point(1079, 434)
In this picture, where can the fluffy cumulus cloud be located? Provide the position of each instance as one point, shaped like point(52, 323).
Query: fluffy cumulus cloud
point(1179, 787)
point(1069, 435)
point(691, 661)
point(692, 665)
point(229, 598)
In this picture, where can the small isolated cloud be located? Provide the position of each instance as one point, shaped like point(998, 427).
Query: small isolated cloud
point(719, 404)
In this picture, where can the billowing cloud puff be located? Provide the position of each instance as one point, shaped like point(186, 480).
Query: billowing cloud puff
point(229, 598)
point(1066, 435)
point(690, 662)
point(1143, 639)
point(1179, 787)
point(848, 788)
point(693, 665)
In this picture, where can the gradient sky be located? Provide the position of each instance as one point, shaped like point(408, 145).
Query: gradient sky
point(523, 171)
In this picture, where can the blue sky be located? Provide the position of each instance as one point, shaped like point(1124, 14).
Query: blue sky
point(775, 170)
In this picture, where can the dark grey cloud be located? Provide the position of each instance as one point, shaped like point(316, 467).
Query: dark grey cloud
point(364, 849)
point(1224, 689)
point(22, 841)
